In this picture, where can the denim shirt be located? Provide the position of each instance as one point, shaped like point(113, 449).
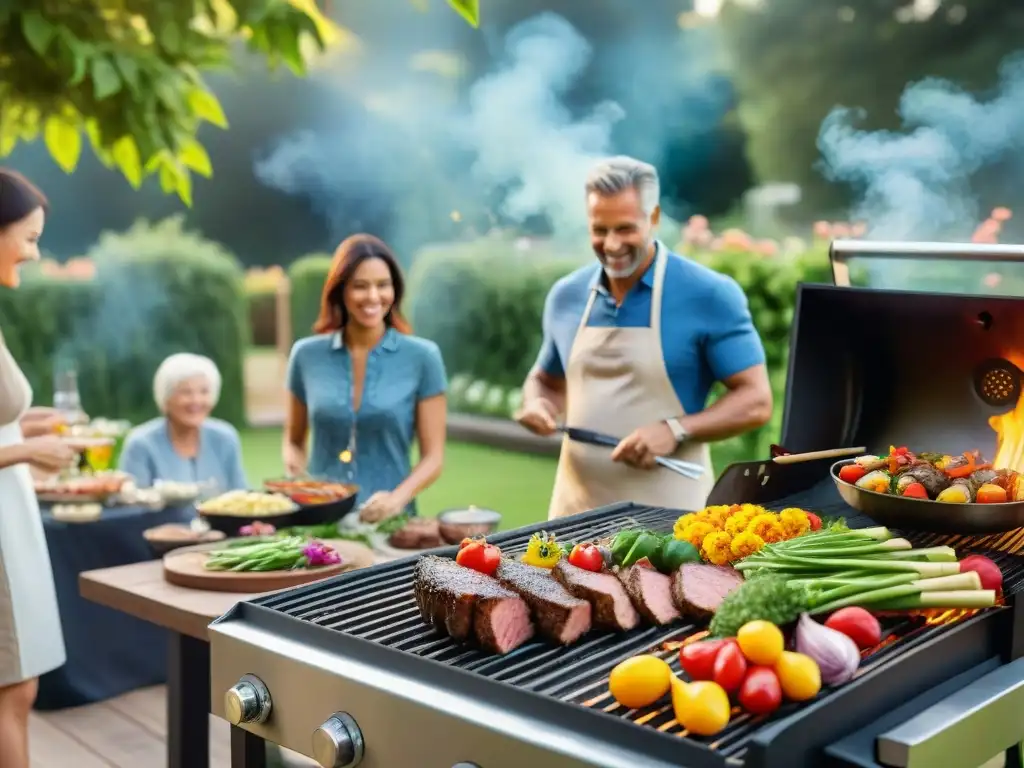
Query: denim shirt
point(400, 371)
point(148, 456)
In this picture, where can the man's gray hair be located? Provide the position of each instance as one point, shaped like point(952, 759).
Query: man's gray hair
point(180, 368)
point(617, 174)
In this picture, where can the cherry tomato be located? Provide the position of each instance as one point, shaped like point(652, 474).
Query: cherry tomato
point(815, 521)
point(730, 667)
point(761, 692)
point(587, 556)
point(697, 660)
point(851, 473)
point(915, 491)
point(480, 556)
point(858, 625)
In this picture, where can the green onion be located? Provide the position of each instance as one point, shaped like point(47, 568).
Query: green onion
point(963, 599)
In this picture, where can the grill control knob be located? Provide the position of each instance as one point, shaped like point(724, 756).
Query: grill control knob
point(338, 743)
point(247, 702)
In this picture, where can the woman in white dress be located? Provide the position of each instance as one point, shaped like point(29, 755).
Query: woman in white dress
point(31, 642)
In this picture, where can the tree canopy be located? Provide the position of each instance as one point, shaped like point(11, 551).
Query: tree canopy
point(794, 61)
point(128, 74)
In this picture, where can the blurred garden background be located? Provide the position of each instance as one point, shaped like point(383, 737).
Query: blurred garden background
point(464, 148)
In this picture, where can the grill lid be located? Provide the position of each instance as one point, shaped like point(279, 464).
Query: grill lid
point(880, 368)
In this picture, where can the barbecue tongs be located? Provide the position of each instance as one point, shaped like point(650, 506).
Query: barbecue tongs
point(685, 468)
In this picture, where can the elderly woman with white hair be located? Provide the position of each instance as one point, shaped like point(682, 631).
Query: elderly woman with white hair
point(185, 444)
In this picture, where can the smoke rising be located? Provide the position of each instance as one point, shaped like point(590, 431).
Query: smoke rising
point(917, 184)
point(416, 157)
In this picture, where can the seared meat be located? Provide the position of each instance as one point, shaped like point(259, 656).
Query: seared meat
point(464, 603)
point(609, 602)
point(559, 616)
point(698, 589)
point(418, 533)
point(651, 593)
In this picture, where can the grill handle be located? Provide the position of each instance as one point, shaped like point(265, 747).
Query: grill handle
point(840, 251)
point(977, 722)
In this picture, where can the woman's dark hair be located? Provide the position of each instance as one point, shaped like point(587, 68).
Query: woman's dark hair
point(350, 254)
point(18, 197)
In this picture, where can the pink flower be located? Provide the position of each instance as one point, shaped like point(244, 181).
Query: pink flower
point(318, 554)
point(840, 230)
point(823, 230)
point(767, 247)
point(737, 239)
point(1002, 214)
point(992, 279)
point(857, 229)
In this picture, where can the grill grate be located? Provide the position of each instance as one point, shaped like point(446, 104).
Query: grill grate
point(378, 605)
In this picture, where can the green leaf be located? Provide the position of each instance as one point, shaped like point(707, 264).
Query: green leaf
point(467, 9)
point(105, 79)
point(125, 153)
point(168, 177)
point(206, 107)
point(129, 69)
point(284, 39)
point(38, 31)
point(184, 188)
point(194, 156)
point(64, 141)
point(92, 130)
point(170, 37)
point(79, 53)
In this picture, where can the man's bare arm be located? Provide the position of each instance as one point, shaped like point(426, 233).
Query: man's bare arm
point(746, 406)
point(543, 386)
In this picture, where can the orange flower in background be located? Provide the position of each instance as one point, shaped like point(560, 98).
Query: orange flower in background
point(737, 239)
point(698, 222)
point(840, 230)
point(1001, 214)
point(767, 247)
point(823, 230)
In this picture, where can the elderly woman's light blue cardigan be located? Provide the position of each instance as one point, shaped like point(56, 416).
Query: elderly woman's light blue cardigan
point(149, 456)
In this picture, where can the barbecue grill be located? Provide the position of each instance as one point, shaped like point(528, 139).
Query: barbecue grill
point(345, 670)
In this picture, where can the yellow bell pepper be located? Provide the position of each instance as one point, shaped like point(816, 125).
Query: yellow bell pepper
point(543, 550)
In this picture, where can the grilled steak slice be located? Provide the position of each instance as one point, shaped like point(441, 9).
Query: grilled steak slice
point(698, 589)
point(464, 604)
point(611, 607)
point(559, 616)
point(651, 593)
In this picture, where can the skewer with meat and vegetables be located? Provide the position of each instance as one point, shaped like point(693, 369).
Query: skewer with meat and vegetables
point(964, 479)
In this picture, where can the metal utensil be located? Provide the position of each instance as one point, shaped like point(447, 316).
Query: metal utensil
point(680, 467)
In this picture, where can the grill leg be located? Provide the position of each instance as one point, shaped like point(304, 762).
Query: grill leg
point(188, 702)
point(247, 749)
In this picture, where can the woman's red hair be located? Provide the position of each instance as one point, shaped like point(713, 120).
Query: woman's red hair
point(350, 254)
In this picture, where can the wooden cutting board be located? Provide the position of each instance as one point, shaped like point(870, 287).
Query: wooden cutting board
point(185, 568)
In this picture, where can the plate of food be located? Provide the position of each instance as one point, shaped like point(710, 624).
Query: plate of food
point(330, 501)
point(95, 487)
point(937, 492)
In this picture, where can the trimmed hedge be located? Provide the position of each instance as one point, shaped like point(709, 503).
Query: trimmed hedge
point(307, 276)
point(482, 303)
point(157, 290)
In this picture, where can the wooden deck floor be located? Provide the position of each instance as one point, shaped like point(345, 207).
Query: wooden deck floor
point(127, 732)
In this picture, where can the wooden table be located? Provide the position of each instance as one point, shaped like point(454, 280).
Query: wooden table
point(140, 590)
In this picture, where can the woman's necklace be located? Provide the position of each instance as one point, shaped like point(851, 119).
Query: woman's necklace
point(347, 456)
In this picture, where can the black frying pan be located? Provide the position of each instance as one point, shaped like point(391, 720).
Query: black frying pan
point(926, 515)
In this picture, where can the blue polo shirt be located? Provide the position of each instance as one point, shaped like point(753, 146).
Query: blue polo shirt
point(706, 331)
point(400, 371)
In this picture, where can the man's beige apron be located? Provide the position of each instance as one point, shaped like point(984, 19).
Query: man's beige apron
point(616, 382)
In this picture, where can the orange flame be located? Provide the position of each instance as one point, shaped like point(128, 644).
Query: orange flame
point(1009, 429)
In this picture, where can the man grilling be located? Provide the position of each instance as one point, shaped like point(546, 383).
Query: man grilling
point(632, 346)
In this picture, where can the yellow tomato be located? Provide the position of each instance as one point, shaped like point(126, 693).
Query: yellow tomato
point(761, 642)
point(640, 681)
point(701, 708)
point(799, 676)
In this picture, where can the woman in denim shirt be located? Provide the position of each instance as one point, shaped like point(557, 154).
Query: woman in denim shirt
point(366, 387)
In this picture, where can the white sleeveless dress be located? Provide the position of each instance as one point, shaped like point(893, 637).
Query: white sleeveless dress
point(31, 641)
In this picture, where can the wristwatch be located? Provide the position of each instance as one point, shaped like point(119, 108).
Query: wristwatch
point(678, 431)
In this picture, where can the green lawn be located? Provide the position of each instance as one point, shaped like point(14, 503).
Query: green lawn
point(515, 484)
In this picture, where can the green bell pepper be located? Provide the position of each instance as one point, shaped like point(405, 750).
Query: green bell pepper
point(646, 545)
point(622, 543)
point(673, 553)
